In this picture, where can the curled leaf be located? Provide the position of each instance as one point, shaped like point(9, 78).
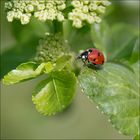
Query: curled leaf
point(48, 67)
point(23, 72)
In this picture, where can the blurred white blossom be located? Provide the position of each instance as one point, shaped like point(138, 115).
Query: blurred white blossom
point(41, 9)
point(87, 11)
point(82, 12)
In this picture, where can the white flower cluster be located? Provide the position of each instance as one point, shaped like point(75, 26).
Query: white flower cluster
point(41, 9)
point(89, 11)
point(83, 11)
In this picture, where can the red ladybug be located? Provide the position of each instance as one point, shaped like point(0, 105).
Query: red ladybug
point(92, 56)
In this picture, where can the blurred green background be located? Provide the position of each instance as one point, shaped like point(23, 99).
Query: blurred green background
point(19, 119)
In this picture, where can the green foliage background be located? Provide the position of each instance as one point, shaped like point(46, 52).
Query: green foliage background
point(117, 37)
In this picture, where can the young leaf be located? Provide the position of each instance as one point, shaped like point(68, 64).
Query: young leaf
point(62, 62)
point(116, 92)
point(48, 67)
point(55, 93)
point(22, 72)
point(117, 41)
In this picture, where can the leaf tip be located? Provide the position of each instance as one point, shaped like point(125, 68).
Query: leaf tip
point(5, 81)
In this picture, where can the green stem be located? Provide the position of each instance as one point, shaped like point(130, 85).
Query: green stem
point(57, 26)
point(67, 29)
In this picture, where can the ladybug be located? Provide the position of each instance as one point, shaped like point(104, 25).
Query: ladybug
point(92, 56)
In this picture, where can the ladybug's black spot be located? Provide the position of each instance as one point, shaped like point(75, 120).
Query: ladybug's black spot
point(99, 54)
point(90, 50)
point(94, 59)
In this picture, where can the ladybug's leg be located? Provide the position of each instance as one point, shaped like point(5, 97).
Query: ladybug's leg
point(98, 67)
point(85, 64)
point(89, 63)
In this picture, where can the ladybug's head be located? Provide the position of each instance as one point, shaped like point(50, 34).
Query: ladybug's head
point(84, 55)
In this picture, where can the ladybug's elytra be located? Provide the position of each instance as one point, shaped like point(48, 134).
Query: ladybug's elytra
point(92, 56)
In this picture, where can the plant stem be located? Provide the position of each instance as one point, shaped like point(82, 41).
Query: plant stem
point(57, 26)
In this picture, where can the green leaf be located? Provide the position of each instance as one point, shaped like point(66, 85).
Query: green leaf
point(125, 52)
point(55, 93)
point(22, 72)
point(135, 53)
point(48, 67)
point(136, 68)
point(115, 89)
point(116, 41)
point(62, 62)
